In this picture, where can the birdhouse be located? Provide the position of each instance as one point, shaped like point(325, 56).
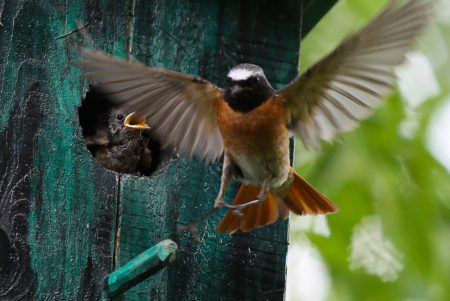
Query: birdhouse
point(70, 229)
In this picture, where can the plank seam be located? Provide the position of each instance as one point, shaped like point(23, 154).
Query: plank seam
point(117, 223)
point(130, 26)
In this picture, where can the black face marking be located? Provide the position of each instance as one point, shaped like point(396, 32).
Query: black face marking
point(253, 80)
point(244, 95)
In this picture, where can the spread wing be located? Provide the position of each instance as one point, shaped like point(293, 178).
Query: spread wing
point(181, 109)
point(342, 88)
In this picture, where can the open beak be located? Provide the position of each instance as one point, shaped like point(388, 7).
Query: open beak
point(136, 122)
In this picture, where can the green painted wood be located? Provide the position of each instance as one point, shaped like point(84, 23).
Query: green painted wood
point(58, 206)
point(314, 10)
point(60, 230)
point(206, 38)
point(141, 267)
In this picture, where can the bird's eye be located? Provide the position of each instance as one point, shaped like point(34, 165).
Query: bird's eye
point(253, 80)
point(120, 117)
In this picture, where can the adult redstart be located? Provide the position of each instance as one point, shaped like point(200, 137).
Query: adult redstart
point(249, 122)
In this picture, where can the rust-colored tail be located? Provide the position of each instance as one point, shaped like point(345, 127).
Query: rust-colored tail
point(254, 216)
point(298, 196)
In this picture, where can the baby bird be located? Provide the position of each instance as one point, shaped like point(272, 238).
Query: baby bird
point(123, 145)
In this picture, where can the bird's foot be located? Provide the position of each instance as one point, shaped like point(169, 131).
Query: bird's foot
point(193, 226)
point(219, 203)
point(237, 209)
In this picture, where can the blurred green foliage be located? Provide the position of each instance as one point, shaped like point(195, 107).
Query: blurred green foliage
point(379, 172)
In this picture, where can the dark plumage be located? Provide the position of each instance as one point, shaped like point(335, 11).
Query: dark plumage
point(120, 141)
point(247, 88)
point(119, 147)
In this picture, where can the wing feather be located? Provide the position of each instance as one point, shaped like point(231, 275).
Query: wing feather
point(342, 88)
point(180, 108)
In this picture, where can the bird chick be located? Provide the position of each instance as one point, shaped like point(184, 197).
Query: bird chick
point(122, 145)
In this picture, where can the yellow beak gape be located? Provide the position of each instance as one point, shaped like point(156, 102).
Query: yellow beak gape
point(136, 121)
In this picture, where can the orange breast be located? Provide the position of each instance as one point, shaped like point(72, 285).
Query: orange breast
point(256, 140)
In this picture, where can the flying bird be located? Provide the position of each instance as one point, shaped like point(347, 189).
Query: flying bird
point(250, 122)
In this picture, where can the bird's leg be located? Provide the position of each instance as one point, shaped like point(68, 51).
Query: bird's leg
point(224, 183)
point(260, 198)
point(220, 200)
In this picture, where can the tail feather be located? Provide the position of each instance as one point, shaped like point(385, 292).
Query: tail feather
point(260, 215)
point(269, 211)
point(305, 199)
point(250, 218)
point(299, 196)
point(230, 222)
point(255, 216)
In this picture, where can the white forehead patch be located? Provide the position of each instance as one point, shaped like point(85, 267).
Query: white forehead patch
point(240, 74)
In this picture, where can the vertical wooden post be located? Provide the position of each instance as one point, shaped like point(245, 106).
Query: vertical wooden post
point(65, 221)
point(57, 205)
point(207, 38)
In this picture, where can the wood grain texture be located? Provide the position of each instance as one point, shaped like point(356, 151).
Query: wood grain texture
point(65, 221)
point(58, 207)
point(206, 38)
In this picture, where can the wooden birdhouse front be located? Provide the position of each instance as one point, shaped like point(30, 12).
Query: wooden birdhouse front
point(66, 222)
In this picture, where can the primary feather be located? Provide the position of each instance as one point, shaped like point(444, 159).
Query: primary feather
point(181, 108)
point(336, 92)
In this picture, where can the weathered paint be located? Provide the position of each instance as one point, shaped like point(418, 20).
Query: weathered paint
point(141, 267)
point(61, 212)
point(62, 230)
point(206, 38)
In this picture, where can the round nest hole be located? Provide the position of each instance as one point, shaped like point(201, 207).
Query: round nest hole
point(116, 146)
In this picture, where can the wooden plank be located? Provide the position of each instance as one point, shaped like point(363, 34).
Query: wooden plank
point(206, 38)
point(314, 10)
point(57, 206)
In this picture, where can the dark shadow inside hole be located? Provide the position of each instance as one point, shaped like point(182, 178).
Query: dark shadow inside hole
point(115, 146)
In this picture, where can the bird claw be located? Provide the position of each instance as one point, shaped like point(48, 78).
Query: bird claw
point(237, 209)
point(219, 203)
